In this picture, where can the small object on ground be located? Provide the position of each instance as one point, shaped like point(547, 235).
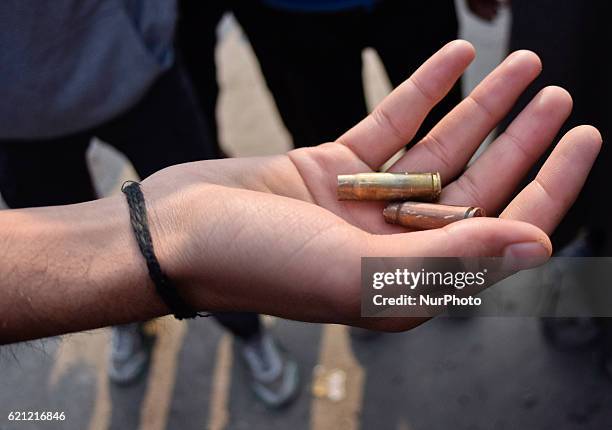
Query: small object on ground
point(329, 384)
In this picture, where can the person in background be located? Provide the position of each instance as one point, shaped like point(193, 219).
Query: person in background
point(86, 69)
point(310, 53)
point(196, 41)
point(311, 49)
point(569, 36)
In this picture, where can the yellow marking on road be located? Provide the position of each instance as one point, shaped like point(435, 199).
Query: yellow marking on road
point(336, 353)
point(162, 374)
point(403, 425)
point(90, 349)
point(221, 383)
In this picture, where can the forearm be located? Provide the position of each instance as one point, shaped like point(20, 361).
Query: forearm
point(79, 262)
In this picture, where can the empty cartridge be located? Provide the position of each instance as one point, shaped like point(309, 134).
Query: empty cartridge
point(425, 216)
point(390, 186)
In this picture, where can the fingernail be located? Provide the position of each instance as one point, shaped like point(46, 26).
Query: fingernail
point(526, 255)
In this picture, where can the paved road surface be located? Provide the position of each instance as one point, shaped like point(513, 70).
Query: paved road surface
point(450, 373)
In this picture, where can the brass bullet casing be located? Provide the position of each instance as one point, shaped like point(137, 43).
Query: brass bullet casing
point(390, 186)
point(426, 216)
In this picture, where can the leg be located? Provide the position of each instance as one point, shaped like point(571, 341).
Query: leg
point(242, 324)
point(163, 129)
point(571, 60)
point(403, 48)
point(196, 40)
point(45, 173)
point(313, 70)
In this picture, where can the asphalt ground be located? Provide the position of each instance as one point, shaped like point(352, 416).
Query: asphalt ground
point(470, 373)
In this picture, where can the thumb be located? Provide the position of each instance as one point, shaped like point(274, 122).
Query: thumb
point(522, 245)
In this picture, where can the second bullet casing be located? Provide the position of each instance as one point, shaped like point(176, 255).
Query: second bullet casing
point(425, 216)
point(390, 186)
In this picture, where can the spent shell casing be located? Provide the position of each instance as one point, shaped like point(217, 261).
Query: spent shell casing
point(390, 186)
point(426, 216)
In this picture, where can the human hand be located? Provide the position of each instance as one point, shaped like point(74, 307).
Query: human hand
point(485, 9)
point(268, 234)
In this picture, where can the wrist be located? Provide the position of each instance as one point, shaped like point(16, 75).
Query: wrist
point(170, 230)
point(164, 286)
point(190, 240)
point(118, 263)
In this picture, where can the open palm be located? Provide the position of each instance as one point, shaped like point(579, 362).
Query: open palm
point(492, 180)
point(284, 245)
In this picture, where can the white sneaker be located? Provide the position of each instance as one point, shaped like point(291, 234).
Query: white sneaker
point(130, 353)
point(274, 377)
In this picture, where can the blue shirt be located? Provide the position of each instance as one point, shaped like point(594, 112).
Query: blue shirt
point(320, 5)
point(68, 65)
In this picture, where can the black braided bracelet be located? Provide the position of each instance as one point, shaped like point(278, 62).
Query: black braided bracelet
point(140, 224)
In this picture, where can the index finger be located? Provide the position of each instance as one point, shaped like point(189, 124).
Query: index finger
point(395, 121)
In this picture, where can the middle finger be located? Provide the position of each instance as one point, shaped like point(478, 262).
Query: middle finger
point(491, 180)
point(451, 143)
